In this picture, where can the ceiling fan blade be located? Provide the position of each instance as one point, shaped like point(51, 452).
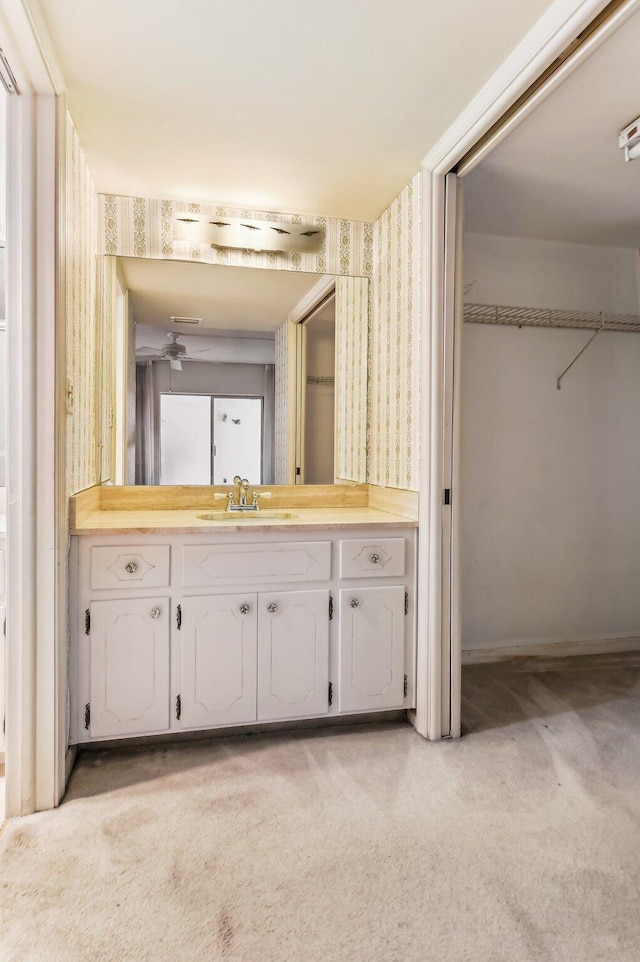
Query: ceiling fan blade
point(150, 351)
point(175, 364)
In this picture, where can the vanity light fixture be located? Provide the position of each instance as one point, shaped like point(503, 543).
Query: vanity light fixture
point(629, 140)
point(186, 320)
point(233, 233)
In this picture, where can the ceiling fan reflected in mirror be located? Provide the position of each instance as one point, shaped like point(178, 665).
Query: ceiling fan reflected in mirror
point(173, 352)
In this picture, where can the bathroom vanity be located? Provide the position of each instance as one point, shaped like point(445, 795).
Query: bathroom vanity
point(183, 624)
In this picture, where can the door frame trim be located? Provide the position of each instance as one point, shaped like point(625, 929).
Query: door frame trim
point(36, 734)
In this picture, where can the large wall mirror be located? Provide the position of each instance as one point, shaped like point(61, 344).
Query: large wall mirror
point(220, 371)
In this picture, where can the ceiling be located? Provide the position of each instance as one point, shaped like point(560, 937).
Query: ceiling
point(280, 106)
point(235, 300)
point(560, 174)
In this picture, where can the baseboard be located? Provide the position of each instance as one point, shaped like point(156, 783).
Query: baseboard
point(562, 649)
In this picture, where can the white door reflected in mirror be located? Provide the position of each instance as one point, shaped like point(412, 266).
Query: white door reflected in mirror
point(237, 439)
point(185, 439)
point(207, 440)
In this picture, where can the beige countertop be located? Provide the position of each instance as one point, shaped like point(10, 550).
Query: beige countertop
point(158, 521)
point(106, 509)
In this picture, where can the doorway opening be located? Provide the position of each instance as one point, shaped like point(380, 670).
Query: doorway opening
point(543, 433)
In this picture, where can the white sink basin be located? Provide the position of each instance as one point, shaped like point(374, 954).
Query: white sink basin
point(247, 516)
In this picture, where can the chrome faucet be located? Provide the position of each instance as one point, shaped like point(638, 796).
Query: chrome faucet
point(242, 504)
point(243, 484)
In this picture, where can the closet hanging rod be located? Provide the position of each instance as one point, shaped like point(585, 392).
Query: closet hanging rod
point(549, 317)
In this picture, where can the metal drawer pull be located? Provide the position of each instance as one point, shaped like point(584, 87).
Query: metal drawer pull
point(374, 559)
point(245, 609)
point(272, 608)
point(130, 567)
point(154, 613)
point(354, 603)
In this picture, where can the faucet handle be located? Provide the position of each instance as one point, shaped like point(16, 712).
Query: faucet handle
point(219, 497)
point(259, 494)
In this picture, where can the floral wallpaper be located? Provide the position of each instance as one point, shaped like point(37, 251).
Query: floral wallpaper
point(352, 313)
point(82, 335)
point(140, 227)
point(394, 373)
point(281, 435)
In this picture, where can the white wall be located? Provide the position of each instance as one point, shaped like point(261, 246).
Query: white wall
point(533, 273)
point(550, 479)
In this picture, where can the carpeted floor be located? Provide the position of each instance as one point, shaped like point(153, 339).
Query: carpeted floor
point(519, 842)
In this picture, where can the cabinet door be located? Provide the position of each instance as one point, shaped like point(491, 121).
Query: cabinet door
point(293, 654)
point(218, 641)
point(129, 666)
point(371, 648)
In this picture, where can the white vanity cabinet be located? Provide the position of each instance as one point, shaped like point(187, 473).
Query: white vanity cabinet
point(129, 667)
point(218, 660)
point(372, 657)
point(247, 628)
point(293, 654)
point(253, 657)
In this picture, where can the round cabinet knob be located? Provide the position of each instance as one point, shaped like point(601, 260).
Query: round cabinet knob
point(354, 603)
point(154, 613)
point(130, 567)
point(374, 559)
point(272, 608)
point(245, 609)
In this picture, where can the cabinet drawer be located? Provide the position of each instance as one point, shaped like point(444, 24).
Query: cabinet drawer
point(379, 557)
point(141, 566)
point(224, 564)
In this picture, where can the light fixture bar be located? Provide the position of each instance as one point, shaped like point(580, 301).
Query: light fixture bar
point(248, 235)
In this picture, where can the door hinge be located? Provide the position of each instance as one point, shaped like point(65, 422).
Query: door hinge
point(330, 608)
point(179, 618)
point(178, 707)
point(87, 716)
point(330, 693)
point(87, 621)
point(406, 686)
point(406, 602)
point(447, 495)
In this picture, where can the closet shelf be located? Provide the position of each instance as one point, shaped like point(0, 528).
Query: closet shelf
point(549, 317)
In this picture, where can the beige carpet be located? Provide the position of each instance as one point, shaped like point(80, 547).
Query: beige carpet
point(520, 842)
